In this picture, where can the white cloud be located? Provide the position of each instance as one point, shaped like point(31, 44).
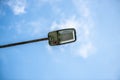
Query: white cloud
point(2, 13)
point(35, 27)
point(31, 28)
point(86, 49)
point(82, 7)
point(66, 23)
point(17, 6)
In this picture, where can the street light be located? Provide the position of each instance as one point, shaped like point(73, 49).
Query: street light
point(58, 37)
point(62, 36)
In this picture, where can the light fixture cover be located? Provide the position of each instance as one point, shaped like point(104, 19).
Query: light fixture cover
point(62, 36)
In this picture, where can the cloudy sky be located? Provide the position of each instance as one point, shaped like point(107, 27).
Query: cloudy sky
point(94, 56)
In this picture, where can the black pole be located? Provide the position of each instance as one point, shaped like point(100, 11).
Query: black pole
point(21, 43)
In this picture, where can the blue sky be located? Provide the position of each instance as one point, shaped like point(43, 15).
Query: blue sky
point(94, 56)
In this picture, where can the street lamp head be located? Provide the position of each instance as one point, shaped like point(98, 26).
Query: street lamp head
point(62, 36)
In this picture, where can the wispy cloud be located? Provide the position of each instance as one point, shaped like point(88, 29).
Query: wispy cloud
point(17, 6)
point(86, 49)
point(65, 23)
point(31, 28)
point(2, 13)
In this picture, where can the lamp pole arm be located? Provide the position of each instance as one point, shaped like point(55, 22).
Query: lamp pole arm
point(21, 43)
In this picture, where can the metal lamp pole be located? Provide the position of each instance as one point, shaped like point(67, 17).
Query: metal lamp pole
point(24, 42)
